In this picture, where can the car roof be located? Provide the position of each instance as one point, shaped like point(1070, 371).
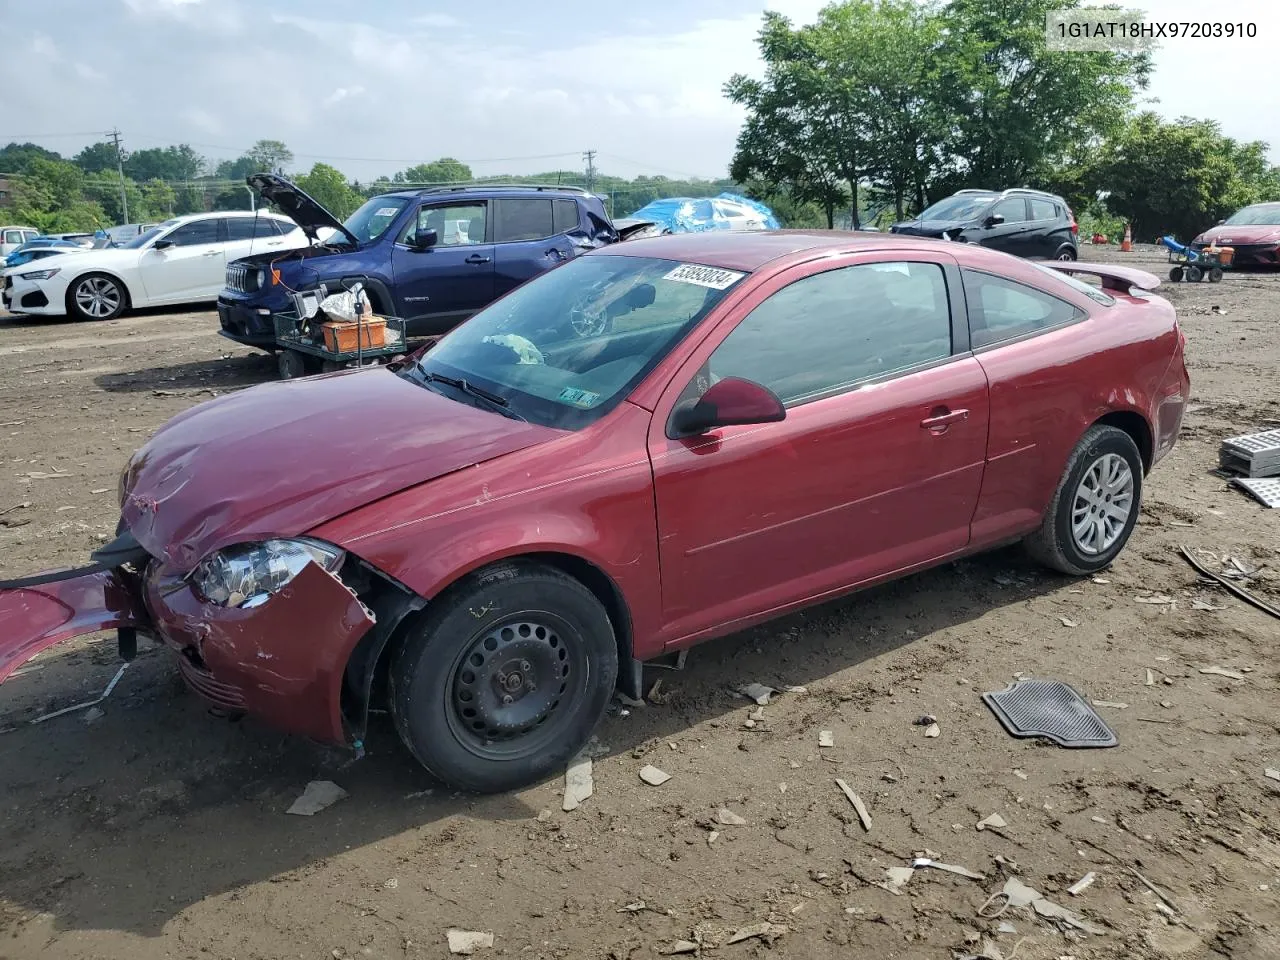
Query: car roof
point(491, 189)
point(749, 251)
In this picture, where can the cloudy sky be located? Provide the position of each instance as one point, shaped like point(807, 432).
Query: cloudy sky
point(506, 85)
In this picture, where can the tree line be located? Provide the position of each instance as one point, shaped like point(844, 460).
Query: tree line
point(880, 107)
point(59, 194)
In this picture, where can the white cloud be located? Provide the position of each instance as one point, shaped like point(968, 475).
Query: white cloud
point(86, 71)
point(341, 93)
point(441, 20)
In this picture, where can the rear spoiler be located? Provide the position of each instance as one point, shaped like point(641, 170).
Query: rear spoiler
point(1115, 279)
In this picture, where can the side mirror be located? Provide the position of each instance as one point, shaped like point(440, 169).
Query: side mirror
point(1220, 223)
point(728, 402)
point(425, 239)
point(162, 245)
point(994, 220)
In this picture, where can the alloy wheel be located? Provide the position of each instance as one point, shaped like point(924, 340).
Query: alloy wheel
point(98, 297)
point(1102, 506)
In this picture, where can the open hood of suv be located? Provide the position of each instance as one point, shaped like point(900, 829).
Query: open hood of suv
point(302, 209)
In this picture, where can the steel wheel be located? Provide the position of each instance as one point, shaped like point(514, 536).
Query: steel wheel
point(1103, 502)
point(97, 297)
point(509, 685)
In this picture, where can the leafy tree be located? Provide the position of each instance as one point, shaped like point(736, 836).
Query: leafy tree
point(238, 169)
point(158, 201)
point(50, 195)
point(270, 156)
point(18, 157)
point(104, 190)
point(330, 189)
point(188, 198)
point(1016, 109)
point(96, 157)
point(1180, 177)
point(442, 171)
point(179, 162)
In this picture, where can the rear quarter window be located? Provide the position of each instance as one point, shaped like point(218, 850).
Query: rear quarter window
point(523, 219)
point(1043, 210)
point(1001, 310)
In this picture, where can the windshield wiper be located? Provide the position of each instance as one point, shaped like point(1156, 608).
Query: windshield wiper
point(502, 404)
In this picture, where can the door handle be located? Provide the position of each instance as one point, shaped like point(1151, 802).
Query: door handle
point(275, 243)
point(940, 420)
point(476, 258)
point(213, 253)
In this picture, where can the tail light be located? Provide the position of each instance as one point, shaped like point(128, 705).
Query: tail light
point(1075, 227)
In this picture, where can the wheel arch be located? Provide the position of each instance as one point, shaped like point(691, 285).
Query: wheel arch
point(589, 574)
point(114, 275)
point(1138, 429)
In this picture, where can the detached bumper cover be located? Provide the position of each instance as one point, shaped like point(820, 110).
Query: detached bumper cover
point(33, 619)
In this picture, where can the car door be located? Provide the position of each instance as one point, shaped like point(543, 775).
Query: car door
point(1040, 368)
point(530, 238)
point(876, 468)
point(1010, 235)
point(194, 266)
point(438, 287)
point(1043, 234)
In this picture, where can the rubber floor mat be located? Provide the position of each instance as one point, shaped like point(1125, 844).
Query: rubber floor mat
point(1050, 709)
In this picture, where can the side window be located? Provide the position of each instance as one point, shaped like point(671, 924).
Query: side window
point(1014, 210)
point(524, 219)
point(1001, 309)
point(13, 236)
point(829, 331)
point(1043, 210)
point(565, 216)
point(249, 228)
point(196, 232)
point(456, 225)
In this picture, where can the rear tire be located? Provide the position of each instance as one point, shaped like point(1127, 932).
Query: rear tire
point(1194, 274)
point(291, 364)
point(1176, 274)
point(504, 677)
point(1067, 253)
point(96, 296)
point(1215, 274)
point(1095, 507)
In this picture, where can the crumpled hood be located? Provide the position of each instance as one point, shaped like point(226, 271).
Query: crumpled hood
point(282, 458)
point(1225, 234)
point(927, 228)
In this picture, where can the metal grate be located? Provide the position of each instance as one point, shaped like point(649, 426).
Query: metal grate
point(1265, 491)
point(1050, 709)
point(1253, 454)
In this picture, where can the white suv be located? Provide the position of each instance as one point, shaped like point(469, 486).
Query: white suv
point(11, 238)
point(183, 260)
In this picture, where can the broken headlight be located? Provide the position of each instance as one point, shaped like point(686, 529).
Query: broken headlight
point(246, 575)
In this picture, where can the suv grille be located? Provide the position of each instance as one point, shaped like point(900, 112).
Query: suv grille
point(242, 278)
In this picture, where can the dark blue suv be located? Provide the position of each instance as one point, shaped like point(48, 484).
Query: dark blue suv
point(433, 257)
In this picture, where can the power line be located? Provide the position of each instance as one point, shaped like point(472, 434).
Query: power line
point(124, 197)
point(590, 157)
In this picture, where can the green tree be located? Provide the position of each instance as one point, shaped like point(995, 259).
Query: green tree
point(50, 195)
point(96, 157)
point(104, 190)
point(330, 189)
point(270, 156)
point(188, 198)
point(18, 157)
point(158, 201)
point(444, 170)
point(179, 162)
point(1017, 110)
point(1180, 177)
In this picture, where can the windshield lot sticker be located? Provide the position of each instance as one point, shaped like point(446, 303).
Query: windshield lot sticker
point(712, 277)
point(579, 398)
point(387, 212)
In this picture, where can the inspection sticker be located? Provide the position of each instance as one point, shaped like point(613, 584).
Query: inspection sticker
point(712, 277)
point(579, 398)
point(387, 212)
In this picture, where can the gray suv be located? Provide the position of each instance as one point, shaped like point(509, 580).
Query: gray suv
point(1026, 223)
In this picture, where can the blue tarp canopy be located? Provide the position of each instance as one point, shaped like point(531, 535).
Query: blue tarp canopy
point(728, 211)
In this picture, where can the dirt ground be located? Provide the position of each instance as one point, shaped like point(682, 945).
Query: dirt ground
point(149, 829)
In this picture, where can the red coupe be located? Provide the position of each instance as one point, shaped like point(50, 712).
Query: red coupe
point(657, 443)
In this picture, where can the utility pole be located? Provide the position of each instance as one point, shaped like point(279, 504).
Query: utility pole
point(590, 157)
point(124, 197)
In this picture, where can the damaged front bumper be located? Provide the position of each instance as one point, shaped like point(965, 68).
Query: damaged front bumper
point(33, 619)
point(283, 661)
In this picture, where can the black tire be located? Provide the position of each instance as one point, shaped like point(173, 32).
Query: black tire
point(1176, 274)
point(1066, 252)
point(1215, 275)
point(96, 297)
point(486, 639)
point(1055, 544)
point(291, 364)
point(330, 366)
point(1194, 274)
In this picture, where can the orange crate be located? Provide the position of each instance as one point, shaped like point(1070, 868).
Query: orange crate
point(340, 337)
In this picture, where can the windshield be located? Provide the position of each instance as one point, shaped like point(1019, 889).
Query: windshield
point(142, 239)
point(1262, 213)
point(958, 208)
point(568, 346)
point(372, 220)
